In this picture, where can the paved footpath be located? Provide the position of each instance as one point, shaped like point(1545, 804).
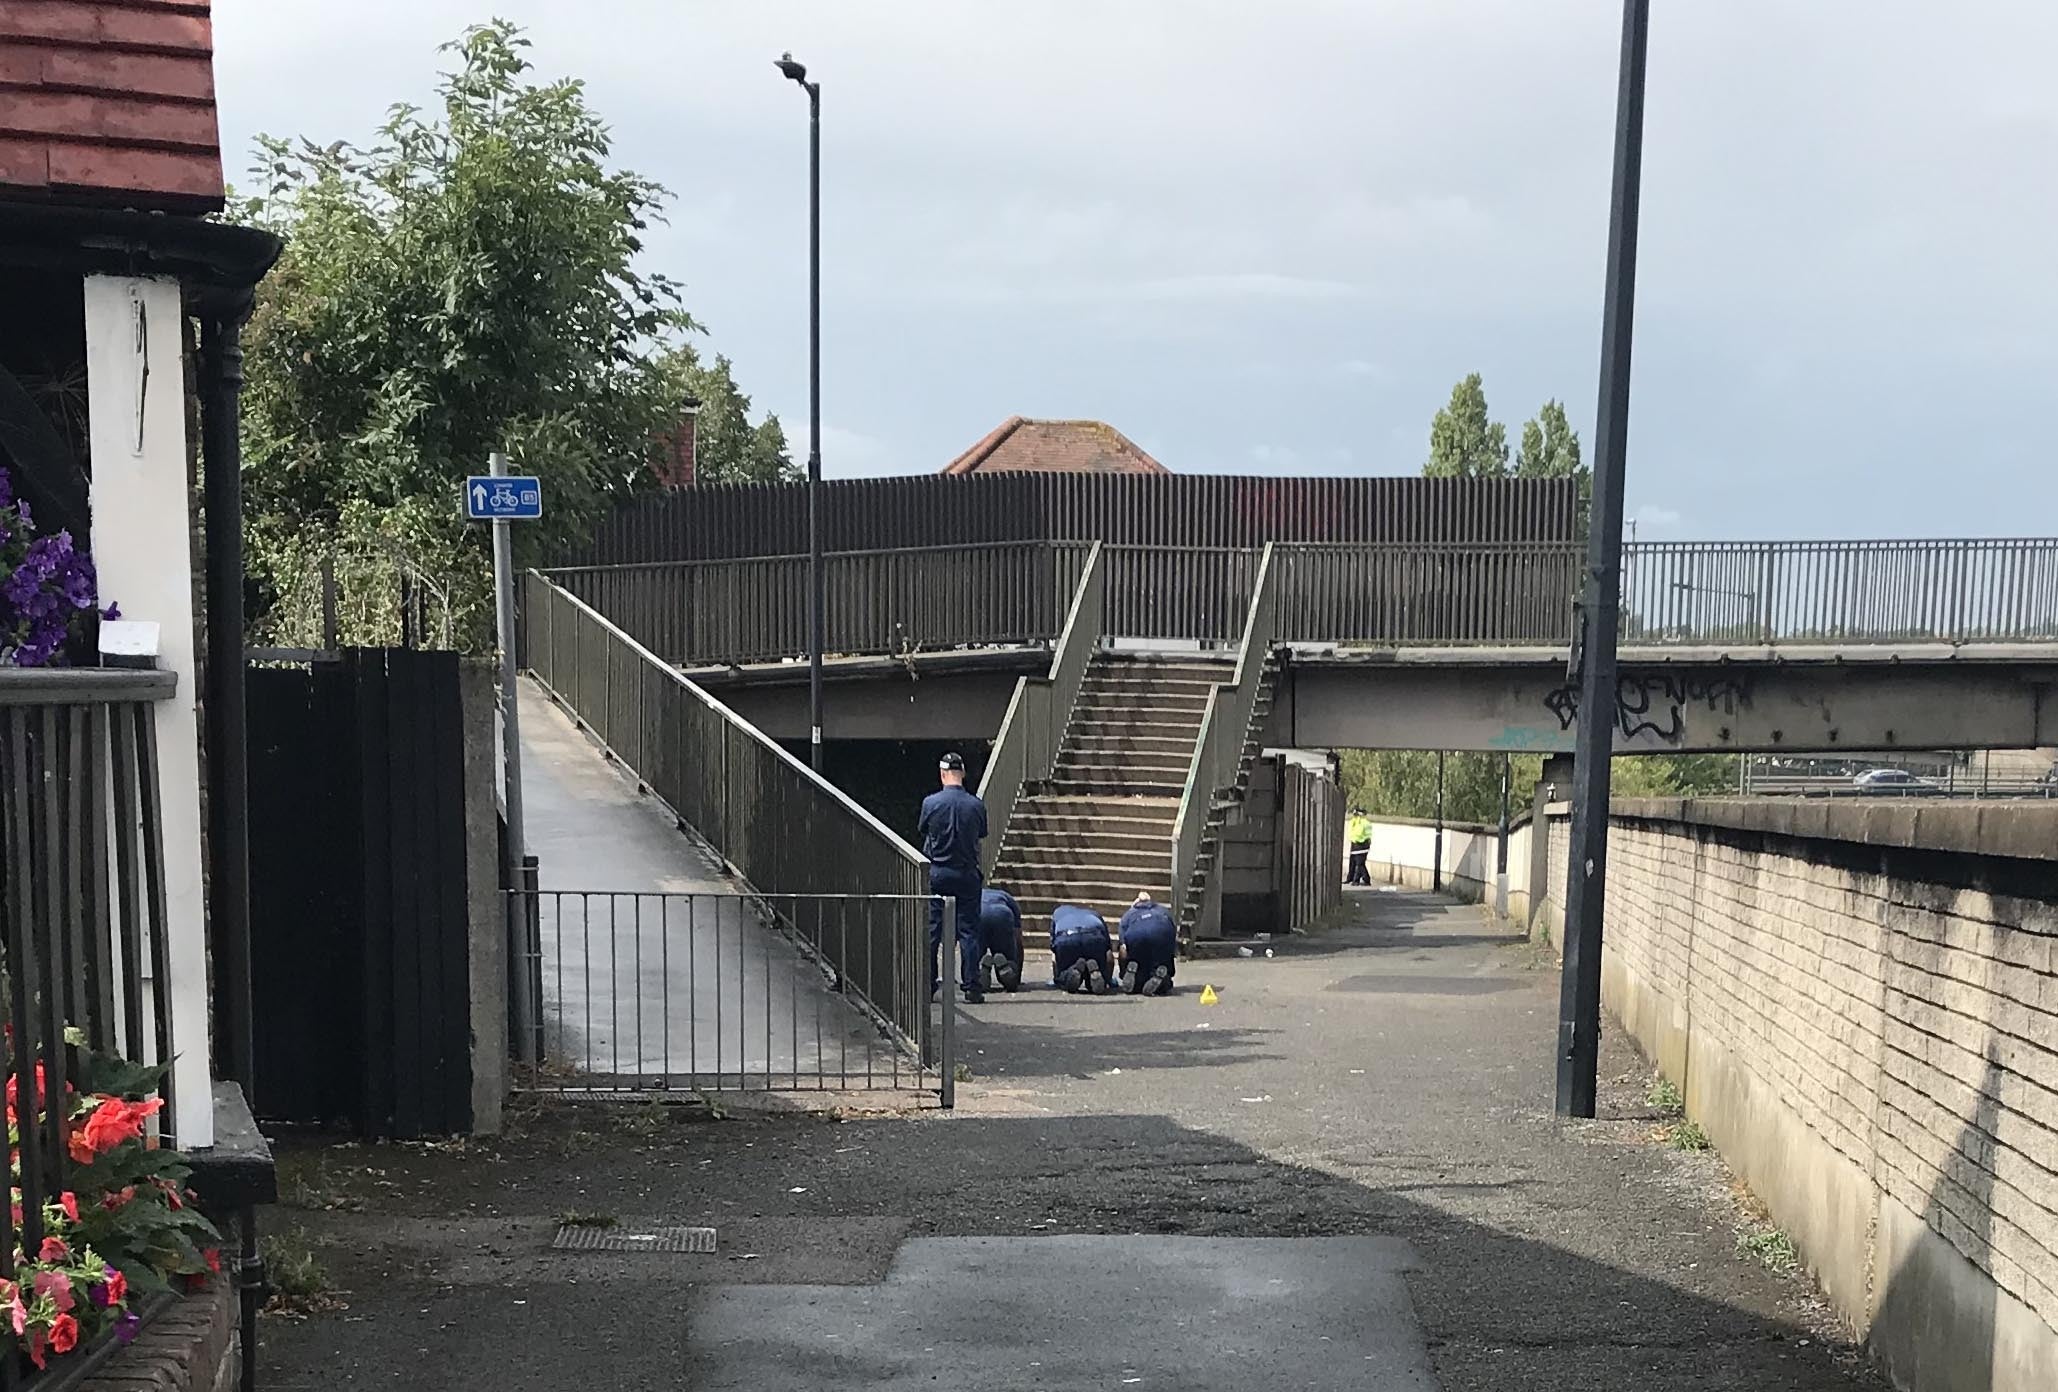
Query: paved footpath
point(652, 962)
point(1345, 1174)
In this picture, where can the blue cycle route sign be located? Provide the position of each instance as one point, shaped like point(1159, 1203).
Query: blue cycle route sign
point(508, 497)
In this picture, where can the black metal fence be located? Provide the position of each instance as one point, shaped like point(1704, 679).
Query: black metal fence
point(722, 521)
point(1412, 594)
point(650, 992)
point(82, 892)
point(699, 613)
point(1432, 595)
point(1960, 591)
point(788, 833)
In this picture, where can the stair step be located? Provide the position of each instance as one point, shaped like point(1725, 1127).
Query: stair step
point(1111, 833)
point(1142, 740)
point(1105, 767)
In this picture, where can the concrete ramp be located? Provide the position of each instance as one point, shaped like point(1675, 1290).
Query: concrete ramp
point(659, 969)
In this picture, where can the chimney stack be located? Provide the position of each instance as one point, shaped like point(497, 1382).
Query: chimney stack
point(678, 464)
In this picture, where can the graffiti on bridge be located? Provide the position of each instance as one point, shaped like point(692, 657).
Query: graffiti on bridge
point(1656, 703)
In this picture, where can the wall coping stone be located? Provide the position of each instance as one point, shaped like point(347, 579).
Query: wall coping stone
point(2009, 830)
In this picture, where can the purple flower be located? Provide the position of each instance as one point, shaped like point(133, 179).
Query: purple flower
point(6, 488)
point(22, 586)
point(111, 612)
point(125, 1327)
point(98, 1294)
point(78, 587)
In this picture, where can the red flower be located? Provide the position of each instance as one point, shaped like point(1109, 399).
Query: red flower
point(57, 1286)
point(37, 1339)
point(69, 1202)
point(54, 1250)
point(213, 1257)
point(110, 1124)
point(64, 1334)
point(117, 1287)
point(114, 1200)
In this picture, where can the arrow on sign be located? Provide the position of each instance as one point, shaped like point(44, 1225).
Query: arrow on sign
point(478, 497)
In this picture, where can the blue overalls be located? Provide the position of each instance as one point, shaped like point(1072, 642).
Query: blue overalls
point(1150, 942)
point(953, 823)
point(1079, 941)
point(1000, 932)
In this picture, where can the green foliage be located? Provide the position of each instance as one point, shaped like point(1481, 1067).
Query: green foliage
point(1665, 1097)
point(1550, 446)
point(1402, 783)
point(727, 447)
point(469, 282)
point(1463, 442)
point(1770, 1248)
point(1687, 1135)
point(300, 1283)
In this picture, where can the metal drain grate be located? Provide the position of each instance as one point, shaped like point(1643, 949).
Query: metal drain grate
point(587, 1237)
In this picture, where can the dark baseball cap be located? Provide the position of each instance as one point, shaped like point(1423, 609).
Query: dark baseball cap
point(953, 761)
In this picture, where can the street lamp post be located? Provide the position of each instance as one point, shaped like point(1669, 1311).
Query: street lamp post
point(1579, 1001)
point(798, 73)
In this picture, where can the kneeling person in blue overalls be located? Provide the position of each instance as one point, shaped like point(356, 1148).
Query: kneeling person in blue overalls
point(1082, 952)
point(1150, 948)
point(1000, 927)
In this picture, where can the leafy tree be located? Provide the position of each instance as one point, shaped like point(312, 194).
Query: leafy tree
point(1550, 446)
point(1402, 783)
point(1463, 442)
point(468, 282)
point(728, 448)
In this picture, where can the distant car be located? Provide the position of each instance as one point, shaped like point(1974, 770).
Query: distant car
point(1895, 783)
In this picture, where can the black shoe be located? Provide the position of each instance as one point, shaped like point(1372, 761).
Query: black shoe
point(1160, 982)
point(1129, 978)
point(1069, 978)
point(974, 997)
point(1009, 976)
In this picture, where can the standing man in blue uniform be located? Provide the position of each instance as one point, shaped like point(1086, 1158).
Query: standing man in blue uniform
point(1150, 948)
point(1082, 954)
point(952, 826)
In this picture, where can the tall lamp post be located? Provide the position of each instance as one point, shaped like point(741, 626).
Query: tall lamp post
point(1579, 1001)
point(798, 73)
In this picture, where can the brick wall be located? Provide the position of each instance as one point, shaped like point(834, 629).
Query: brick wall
point(195, 1346)
point(1861, 1008)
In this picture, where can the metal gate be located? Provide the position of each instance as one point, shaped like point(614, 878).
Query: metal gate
point(645, 992)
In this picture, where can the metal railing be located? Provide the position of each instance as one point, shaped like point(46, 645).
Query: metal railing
point(1431, 594)
point(1178, 592)
point(82, 895)
point(786, 831)
point(1427, 595)
point(661, 992)
point(1963, 591)
point(1225, 730)
point(697, 613)
point(1033, 730)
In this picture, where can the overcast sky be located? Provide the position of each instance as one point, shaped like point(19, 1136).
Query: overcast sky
point(1268, 238)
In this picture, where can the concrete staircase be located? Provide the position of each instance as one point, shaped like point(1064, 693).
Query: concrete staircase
point(1225, 800)
point(1100, 829)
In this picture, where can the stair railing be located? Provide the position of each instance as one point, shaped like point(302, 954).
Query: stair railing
point(1026, 749)
point(1218, 753)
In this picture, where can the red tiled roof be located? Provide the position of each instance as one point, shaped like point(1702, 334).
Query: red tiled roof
point(109, 102)
point(1023, 446)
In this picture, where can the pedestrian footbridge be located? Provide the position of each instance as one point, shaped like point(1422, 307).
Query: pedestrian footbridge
point(1124, 692)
